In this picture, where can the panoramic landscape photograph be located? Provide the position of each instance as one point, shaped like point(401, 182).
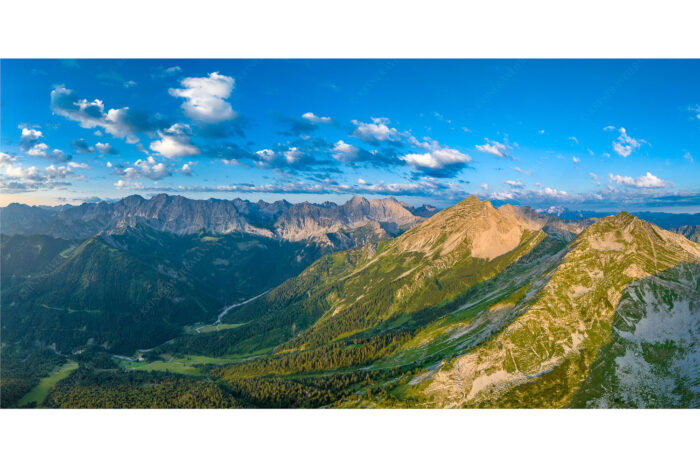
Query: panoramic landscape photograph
point(263, 233)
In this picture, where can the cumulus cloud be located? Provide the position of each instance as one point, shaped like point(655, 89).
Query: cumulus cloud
point(186, 169)
point(7, 160)
point(443, 162)
point(30, 142)
point(17, 178)
point(175, 142)
point(374, 132)
point(292, 155)
point(29, 138)
point(125, 185)
point(494, 148)
point(625, 144)
point(106, 148)
point(353, 155)
point(643, 181)
point(120, 123)
point(514, 183)
point(310, 116)
point(576, 160)
point(82, 147)
point(144, 168)
point(205, 98)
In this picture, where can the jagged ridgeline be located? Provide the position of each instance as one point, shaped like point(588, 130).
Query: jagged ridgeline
point(471, 306)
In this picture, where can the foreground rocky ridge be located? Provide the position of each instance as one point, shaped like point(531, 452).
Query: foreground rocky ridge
point(543, 355)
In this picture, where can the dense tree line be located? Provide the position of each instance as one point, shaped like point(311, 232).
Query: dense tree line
point(310, 392)
point(342, 354)
point(21, 370)
point(86, 388)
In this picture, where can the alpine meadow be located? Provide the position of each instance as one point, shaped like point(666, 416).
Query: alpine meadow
point(350, 234)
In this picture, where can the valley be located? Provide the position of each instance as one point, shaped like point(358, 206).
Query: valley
point(365, 304)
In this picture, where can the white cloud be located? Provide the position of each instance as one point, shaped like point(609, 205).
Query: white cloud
point(29, 138)
point(18, 171)
point(129, 84)
point(695, 109)
point(625, 144)
point(38, 150)
point(644, 181)
point(292, 155)
point(609, 128)
point(7, 160)
point(438, 159)
point(553, 193)
point(121, 123)
point(78, 165)
point(30, 142)
point(689, 157)
point(315, 119)
point(514, 183)
point(106, 148)
point(574, 139)
point(345, 152)
point(144, 168)
point(266, 155)
point(378, 130)
point(124, 185)
point(175, 142)
point(593, 176)
point(502, 195)
point(186, 169)
point(485, 186)
point(576, 160)
point(522, 171)
point(361, 181)
point(205, 98)
point(494, 148)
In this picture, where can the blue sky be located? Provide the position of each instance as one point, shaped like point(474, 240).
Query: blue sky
point(583, 134)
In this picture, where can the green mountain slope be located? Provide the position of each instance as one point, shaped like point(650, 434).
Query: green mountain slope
point(374, 290)
point(542, 357)
point(137, 288)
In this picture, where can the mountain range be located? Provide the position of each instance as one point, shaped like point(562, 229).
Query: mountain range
point(181, 216)
point(367, 304)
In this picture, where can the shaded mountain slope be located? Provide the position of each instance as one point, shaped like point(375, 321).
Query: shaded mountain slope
point(136, 288)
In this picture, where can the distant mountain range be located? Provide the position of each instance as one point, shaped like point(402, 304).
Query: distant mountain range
point(370, 303)
point(181, 216)
point(664, 220)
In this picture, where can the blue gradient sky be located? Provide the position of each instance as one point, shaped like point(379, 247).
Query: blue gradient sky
point(583, 134)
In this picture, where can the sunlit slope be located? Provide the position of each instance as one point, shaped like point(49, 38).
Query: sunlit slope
point(542, 356)
point(380, 289)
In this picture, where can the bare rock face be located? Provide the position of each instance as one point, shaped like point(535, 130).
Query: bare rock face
point(180, 215)
point(471, 225)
